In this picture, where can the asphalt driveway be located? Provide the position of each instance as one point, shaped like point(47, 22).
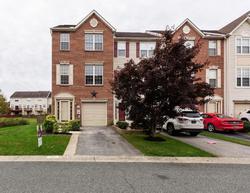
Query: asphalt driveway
point(103, 141)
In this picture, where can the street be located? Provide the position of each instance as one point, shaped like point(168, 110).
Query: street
point(68, 177)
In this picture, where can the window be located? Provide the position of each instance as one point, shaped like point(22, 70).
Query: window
point(121, 49)
point(147, 49)
point(212, 48)
point(213, 78)
point(243, 77)
point(189, 43)
point(64, 41)
point(64, 74)
point(94, 74)
point(93, 42)
point(243, 45)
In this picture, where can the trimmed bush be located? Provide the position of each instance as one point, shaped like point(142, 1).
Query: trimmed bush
point(247, 126)
point(6, 122)
point(122, 124)
point(50, 124)
point(75, 125)
point(62, 128)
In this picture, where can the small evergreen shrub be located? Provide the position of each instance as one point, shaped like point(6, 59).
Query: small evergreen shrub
point(50, 124)
point(246, 126)
point(122, 124)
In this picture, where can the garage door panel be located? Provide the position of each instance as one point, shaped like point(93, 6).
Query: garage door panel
point(239, 108)
point(94, 114)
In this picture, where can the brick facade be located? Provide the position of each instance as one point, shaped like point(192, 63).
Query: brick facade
point(79, 57)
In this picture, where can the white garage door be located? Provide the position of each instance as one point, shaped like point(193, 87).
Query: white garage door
point(94, 114)
point(239, 108)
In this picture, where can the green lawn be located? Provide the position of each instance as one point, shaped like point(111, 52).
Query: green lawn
point(169, 147)
point(22, 140)
point(226, 138)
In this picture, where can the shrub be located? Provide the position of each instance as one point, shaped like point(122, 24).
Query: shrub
point(247, 126)
point(122, 124)
point(50, 124)
point(75, 125)
point(6, 122)
point(62, 128)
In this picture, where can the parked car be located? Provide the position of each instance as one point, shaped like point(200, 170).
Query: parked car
point(219, 122)
point(245, 115)
point(186, 121)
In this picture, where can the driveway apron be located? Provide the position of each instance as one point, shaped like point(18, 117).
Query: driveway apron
point(103, 141)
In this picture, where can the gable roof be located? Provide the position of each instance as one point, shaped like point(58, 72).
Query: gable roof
point(75, 27)
point(229, 28)
point(31, 94)
point(192, 25)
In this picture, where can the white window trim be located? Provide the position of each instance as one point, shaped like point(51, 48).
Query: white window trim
point(235, 42)
point(93, 44)
point(60, 81)
point(121, 42)
point(216, 48)
point(147, 50)
point(60, 100)
point(241, 87)
point(94, 65)
point(64, 41)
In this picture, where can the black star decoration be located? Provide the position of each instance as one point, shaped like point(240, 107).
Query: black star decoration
point(93, 93)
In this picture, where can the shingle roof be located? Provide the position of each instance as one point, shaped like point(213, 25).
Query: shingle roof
point(231, 26)
point(134, 35)
point(64, 26)
point(31, 94)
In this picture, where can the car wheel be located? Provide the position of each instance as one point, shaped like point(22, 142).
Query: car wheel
point(194, 133)
point(245, 120)
point(170, 129)
point(210, 127)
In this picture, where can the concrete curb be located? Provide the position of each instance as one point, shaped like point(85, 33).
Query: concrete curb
point(126, 159)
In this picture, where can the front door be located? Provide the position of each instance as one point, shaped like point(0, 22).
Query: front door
point(64, 110)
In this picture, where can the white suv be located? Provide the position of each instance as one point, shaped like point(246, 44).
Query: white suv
point(187, 121)
point(245, 116)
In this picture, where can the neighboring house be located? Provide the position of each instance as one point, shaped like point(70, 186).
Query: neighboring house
point(30, 102)
point(84, 57)
point(127, 46)
point(237, 65)
point(212, 53)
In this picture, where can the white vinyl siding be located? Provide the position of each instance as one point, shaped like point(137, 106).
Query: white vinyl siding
point(64, 41)
point(93, 41)
point(147, 49)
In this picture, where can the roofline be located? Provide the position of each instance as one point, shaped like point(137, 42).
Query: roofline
point(137, 38)
point(82, 21)
point(192, 24)
point(248, 17)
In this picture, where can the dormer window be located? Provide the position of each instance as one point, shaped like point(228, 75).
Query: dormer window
point(64, 41)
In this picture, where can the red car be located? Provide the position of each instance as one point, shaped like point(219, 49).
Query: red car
point(220, 122)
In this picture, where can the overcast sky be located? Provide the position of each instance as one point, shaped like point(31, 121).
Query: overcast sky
point(25, 41)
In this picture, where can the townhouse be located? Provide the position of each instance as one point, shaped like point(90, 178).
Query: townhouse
point(30, 102)
point(84, 57)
